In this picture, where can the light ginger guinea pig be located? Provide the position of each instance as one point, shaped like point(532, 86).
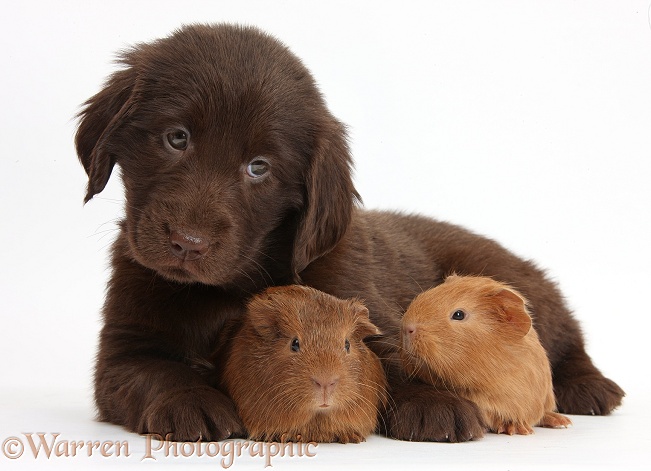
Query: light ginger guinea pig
point(298, 369)
point(473, 335)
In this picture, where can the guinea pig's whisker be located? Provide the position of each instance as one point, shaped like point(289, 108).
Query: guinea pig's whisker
point(393, 344)
point(282, 399)
point(375, 388)
point(396, 309)
point(420, 288)
point(364, 412)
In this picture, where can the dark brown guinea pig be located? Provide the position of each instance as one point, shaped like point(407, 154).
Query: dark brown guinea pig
point(474, 336)
point(298, 369)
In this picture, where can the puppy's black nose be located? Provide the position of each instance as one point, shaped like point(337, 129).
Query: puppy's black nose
point(188, 246)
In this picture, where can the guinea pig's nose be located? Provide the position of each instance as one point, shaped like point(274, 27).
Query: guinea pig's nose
point(188, 246)
point(409, 329)
point(325, 386)
point(408, 335)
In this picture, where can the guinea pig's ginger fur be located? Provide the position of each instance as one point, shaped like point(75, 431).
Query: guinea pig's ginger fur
point(298, 368)
point(474, 336)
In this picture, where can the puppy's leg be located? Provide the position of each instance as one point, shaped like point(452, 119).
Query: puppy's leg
point(142, 380)
point(149, 394)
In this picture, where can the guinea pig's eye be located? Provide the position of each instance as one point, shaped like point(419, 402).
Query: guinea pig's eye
point(295, 345)
point(347, 346)
point(178, 139)
point(458, 315)
point(257, 168)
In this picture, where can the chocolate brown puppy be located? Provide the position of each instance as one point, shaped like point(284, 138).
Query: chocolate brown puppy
point(237, 177)
point(298, 369)
point(473, 335)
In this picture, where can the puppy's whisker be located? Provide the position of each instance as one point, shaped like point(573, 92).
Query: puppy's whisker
point(266, 276)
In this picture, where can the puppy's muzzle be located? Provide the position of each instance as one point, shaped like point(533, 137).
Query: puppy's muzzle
point(188, 247)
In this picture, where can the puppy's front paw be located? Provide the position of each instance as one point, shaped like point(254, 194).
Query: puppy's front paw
point(419, 412)
point(201, 413)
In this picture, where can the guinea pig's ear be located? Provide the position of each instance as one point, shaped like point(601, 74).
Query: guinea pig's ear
point(101, 116)
point(513, 316)
point(261, 314)
point(452, 277)
point(363, 326)
point(329, 198)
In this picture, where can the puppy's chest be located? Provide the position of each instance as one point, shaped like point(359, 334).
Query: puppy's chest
point(197, 328)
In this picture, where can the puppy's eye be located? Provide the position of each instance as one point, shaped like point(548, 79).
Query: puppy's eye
point(178, 139)
point(458, 315)
point(257, 168)
point(295, 346)
point(347, 346)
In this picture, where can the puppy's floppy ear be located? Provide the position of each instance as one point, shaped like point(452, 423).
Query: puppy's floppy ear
point(512, 313)
point(330, 198)
point(101, 116)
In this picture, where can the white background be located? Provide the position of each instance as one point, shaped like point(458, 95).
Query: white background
point(529, 122)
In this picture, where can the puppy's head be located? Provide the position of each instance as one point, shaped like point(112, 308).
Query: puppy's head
point(234, 170)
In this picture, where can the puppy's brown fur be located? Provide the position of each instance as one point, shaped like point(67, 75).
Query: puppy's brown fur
point(298, 369)
point(237, 177)
point(473, 335)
